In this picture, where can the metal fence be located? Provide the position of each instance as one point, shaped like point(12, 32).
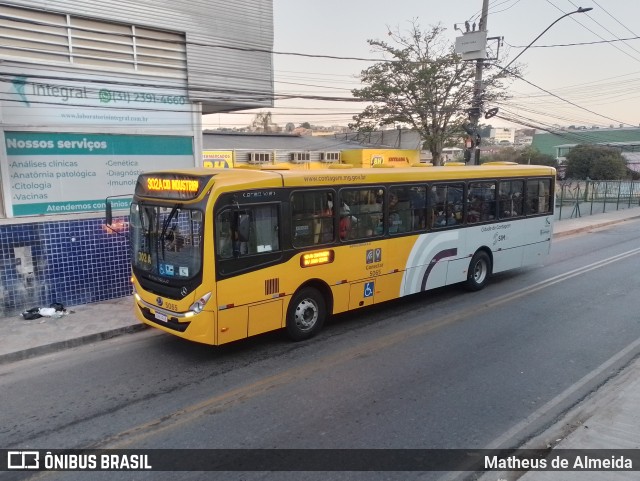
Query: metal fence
point(586, 197)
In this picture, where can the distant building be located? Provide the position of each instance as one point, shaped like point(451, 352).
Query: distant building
point(224, 150)
point(503, 136)
point(558, 143)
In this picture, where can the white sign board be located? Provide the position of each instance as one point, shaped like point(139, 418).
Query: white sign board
point(48, 98)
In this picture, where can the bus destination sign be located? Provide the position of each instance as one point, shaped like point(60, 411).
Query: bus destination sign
point(170, 186)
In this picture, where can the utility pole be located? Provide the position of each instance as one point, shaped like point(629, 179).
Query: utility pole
point(476, 107)
point(472, 45)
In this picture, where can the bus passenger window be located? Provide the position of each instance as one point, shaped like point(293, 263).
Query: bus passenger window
point(266, 230)
point(399, 211)
point(361, 213)
point(510, 198)
point(249, 231)
point(538, 197)
point(224, 235)
point(312, 215)
point(481, 202)
point(448, 211)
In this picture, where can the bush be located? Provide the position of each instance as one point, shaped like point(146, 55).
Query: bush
point(596, 163)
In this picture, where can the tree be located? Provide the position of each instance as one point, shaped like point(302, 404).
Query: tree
point(305, 125)
point(531, 155)
point(263, 121)
point(505, 154)
point(484, 130)
point(425, 86)
point(596, 162)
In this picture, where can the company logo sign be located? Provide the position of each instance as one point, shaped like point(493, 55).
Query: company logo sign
point(23, 460)
point(18, 85)
point(62, 92)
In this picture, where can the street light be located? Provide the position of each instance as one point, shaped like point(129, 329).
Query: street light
point(580, 10)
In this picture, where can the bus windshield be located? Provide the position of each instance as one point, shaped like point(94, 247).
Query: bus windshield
point(166, 240)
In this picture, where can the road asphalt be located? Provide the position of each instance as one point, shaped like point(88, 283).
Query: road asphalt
point(607, 419)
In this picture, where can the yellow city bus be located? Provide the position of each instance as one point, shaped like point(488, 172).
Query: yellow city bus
point(224, 254)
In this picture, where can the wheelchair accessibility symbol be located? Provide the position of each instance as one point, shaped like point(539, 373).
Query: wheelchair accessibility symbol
point(368, 289)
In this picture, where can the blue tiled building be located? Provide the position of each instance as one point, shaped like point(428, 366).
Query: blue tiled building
point(94, 93)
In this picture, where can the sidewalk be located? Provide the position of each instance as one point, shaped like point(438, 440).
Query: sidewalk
point(610, 414)
point(22, 339)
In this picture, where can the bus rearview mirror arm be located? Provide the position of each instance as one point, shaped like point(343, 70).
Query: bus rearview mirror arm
point(109, 213)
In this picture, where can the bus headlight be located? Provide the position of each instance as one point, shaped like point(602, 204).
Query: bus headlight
point(198, 306)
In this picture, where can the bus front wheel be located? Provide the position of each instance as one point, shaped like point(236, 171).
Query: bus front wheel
point(306, 314)
point(479, 271)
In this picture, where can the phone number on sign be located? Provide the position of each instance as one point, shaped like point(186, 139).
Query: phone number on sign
point(107, 96)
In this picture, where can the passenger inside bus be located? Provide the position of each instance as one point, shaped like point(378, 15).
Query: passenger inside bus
point(370, 214)
point(345, 222)
point(395, 221)
point(323, 226)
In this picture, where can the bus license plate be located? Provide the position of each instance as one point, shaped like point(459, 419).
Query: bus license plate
point(161, 317)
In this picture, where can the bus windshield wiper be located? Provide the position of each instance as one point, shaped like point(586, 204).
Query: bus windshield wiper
point(166, 223)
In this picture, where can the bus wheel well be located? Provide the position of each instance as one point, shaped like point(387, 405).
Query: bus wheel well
point(480, 269)
point(488, 251)
point(307, 310)
point(323, 288)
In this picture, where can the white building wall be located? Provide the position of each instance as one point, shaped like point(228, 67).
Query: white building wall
point(228, 43)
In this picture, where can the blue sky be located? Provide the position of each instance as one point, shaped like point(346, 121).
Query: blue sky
point(598, 84)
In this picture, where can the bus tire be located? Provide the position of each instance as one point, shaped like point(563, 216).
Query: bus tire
point(479, 271)
point(306, 314)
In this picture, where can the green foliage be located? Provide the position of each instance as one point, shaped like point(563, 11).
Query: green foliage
point(505, 154)
point(305, 125)
point(596, 163)
point(484, 130)
point(426, 86)
point(531, 155)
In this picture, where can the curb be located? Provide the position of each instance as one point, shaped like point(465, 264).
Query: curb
point(68, 344)
point(593, 226)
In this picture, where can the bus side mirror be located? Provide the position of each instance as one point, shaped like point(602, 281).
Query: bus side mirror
point(109, 213)
point(118, 228)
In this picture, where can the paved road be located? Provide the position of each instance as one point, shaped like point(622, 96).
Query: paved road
point(445, 369)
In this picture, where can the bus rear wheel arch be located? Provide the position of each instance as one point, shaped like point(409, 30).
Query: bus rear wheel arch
point(306, 313)
point(480, 269)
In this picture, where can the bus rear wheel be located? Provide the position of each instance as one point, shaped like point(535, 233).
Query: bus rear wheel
point(479, 271)
point(306, 314)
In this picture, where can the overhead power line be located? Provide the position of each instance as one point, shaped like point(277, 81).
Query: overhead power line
point(575, 44)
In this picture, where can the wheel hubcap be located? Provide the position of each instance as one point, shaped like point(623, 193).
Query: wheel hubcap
point(479, 272)
point(306, 314)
